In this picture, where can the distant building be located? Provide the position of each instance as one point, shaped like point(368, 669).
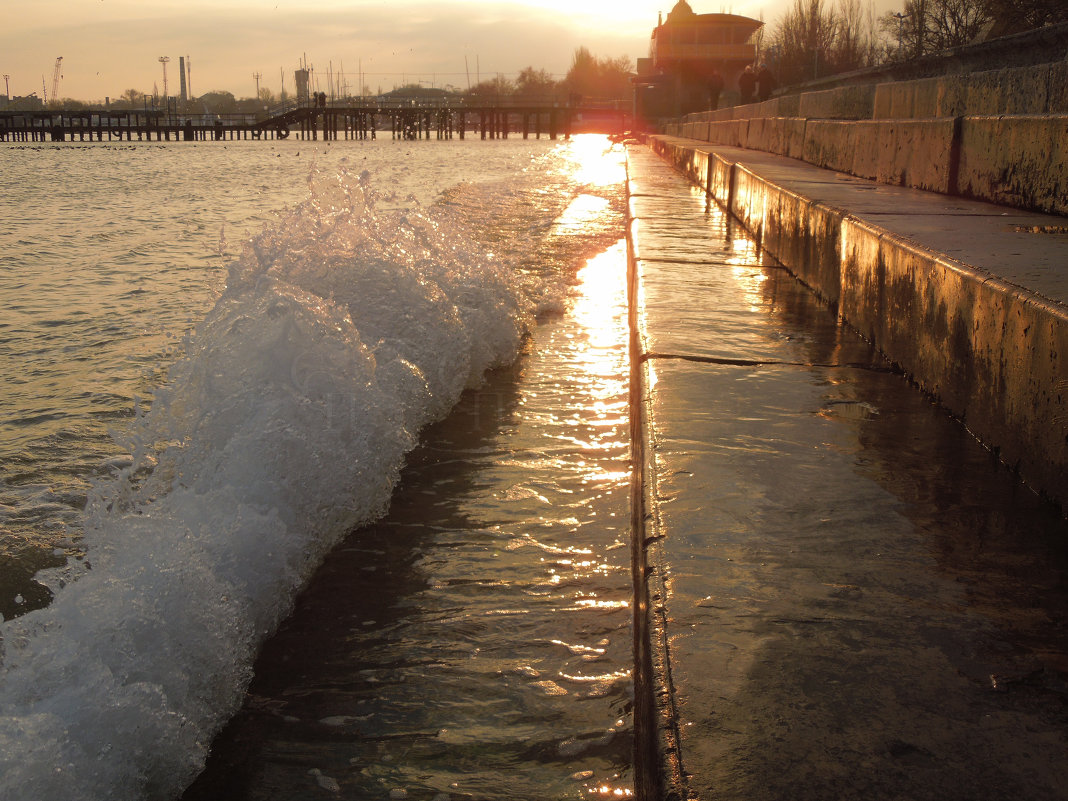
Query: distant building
point(685, 50)
point(418, 96)
point(302, 77)
point(27, 103)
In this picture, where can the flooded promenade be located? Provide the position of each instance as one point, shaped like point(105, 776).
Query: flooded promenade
point(848, 597)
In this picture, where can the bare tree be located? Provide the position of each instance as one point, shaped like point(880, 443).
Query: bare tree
point(535, 84)
point(814, 39)
point(134, 97)
point(857, 41)
point(493, 89)
point(1021, 15)
point(591, 76)
point(927, 26)
point(952, 23)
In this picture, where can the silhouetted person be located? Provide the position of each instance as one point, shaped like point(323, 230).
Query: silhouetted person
point(715, 86)
point(765, 82)
point(747, 84)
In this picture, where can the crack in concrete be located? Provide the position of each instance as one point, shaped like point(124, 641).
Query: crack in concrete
point(764, 362)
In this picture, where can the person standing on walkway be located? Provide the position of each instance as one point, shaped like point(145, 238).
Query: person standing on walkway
point(747, 84)
point(765, 82)
point(715, 87)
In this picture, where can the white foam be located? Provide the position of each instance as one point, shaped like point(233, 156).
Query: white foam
point(343, 330)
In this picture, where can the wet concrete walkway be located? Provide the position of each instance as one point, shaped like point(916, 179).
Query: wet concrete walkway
point(846, 595)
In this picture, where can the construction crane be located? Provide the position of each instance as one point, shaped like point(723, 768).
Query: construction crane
point(55, 79)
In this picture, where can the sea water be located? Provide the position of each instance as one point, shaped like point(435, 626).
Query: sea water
point(215, 358)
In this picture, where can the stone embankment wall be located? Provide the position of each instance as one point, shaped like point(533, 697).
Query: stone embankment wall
point(999, 135)
point(993, 354)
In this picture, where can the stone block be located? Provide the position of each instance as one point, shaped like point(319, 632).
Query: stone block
point(1016, 161)
point(748, 200)
point(690, 161)
point(952, 98)
point(842, 103)
point(744, 112)
point(925, 94)
point(767, 134)
point(871, 143)
point(920, 154)
point(721, 132)
point(720, 177)
point(788, 106)
point(1021, 90)
point(903, 100)
point(912, 153)
point(799, 233)
point(820, 265)
point(991, 353)
point(885, 94)
point(739, 133)
point(830, 144)
point(1057, 94)
point(894, 100)
point(794, 136)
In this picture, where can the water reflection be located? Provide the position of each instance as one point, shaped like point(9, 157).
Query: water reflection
point(476, 643)
point(597, 162)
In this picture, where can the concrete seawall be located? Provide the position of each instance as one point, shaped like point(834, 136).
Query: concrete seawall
point(1015, 161)
point(838, 592)
point(961, 296)
point(995, 135)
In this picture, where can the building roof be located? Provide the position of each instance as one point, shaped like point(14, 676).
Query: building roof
point(690, 38)
point(683, 15)
point(681, 12)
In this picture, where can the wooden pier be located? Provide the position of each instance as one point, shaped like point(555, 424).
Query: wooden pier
point(360, 120)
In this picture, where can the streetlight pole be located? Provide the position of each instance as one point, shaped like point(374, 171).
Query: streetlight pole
point(164, 60)
point(900, 23)
point(166, 106)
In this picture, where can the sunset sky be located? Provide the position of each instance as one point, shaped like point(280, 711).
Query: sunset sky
point(109, 46)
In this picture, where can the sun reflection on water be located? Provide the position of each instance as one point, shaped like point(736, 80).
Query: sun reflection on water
point(601, 293)
point(599, 163)
point(747, 271)
point(556, 499)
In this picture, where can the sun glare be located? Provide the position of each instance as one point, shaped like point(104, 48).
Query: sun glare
point(599, 162)
point(609, 11)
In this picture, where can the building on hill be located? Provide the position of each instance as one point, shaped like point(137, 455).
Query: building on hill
point(686, 53)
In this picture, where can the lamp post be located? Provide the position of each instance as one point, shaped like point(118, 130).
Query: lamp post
point(900, 28)
point(164, 61)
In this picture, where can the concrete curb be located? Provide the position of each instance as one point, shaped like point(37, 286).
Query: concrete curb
point(994, 354)
point(658, 758)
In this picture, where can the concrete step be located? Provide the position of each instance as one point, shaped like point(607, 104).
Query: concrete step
point(1016, 161)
